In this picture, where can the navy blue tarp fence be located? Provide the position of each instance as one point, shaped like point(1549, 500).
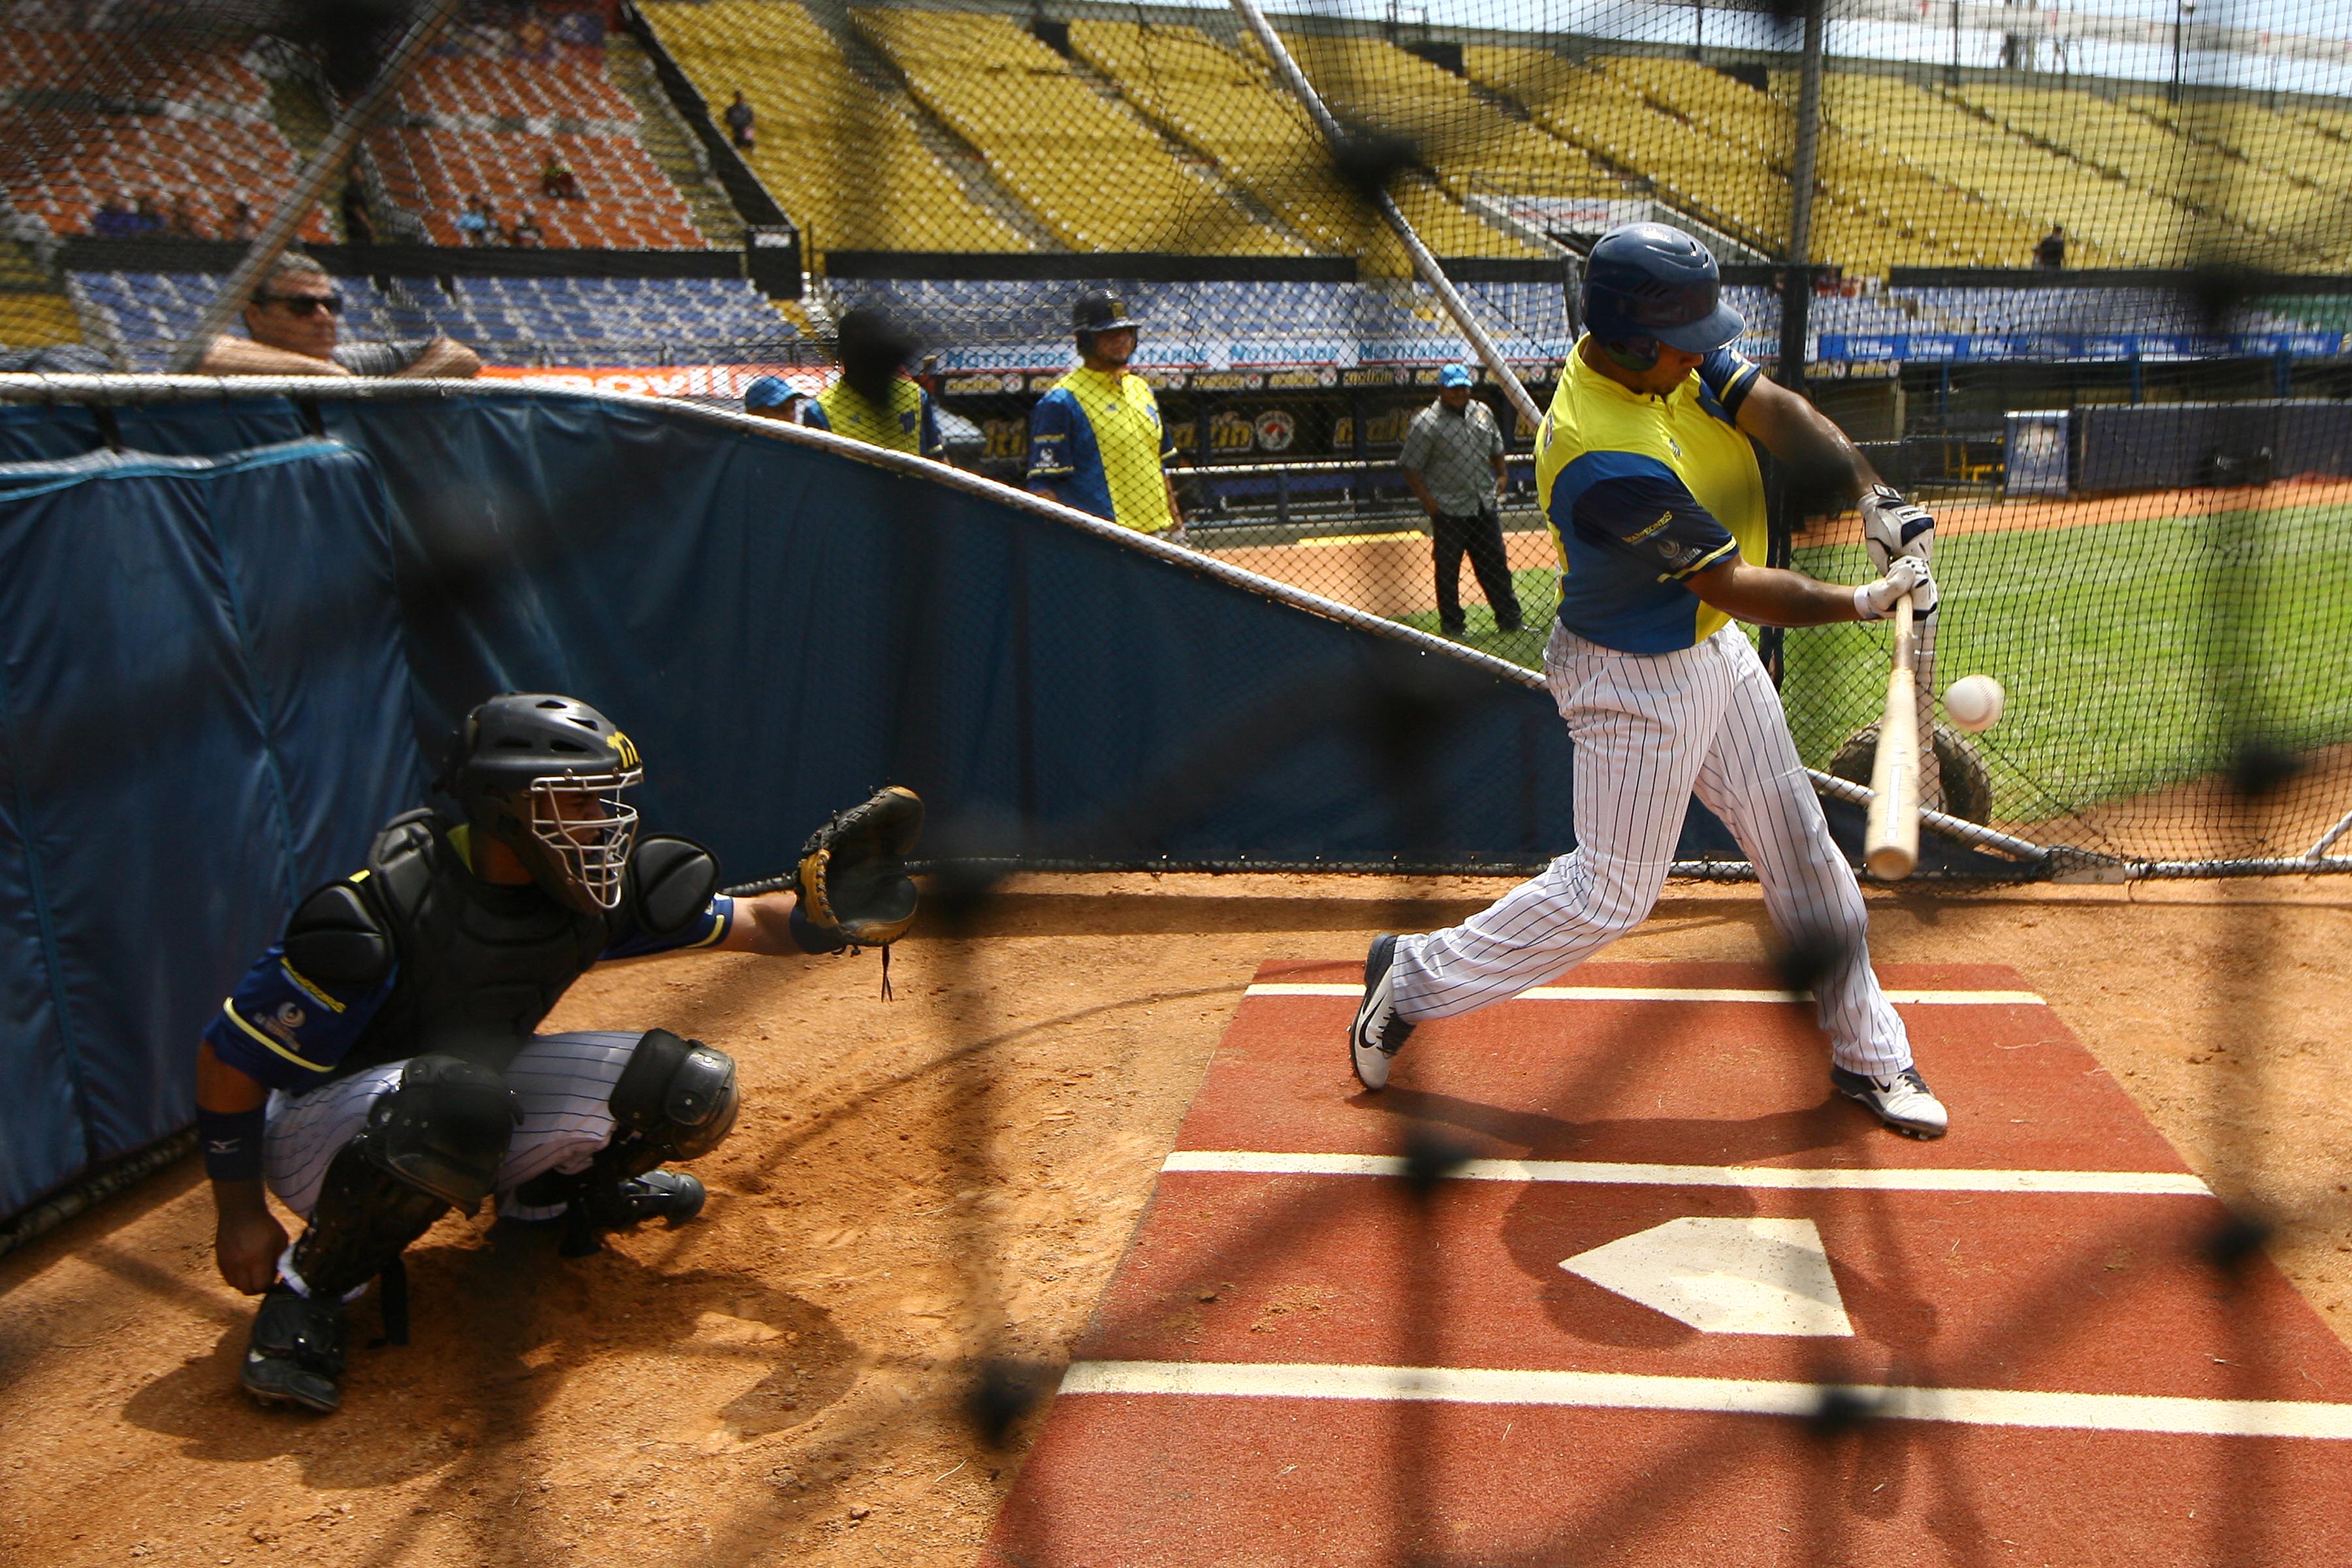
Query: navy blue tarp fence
point(234, 632)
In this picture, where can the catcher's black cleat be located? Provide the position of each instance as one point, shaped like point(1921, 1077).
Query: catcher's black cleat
point(296, 1354)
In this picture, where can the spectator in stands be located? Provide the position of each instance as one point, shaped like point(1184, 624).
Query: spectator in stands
point(147, 220)
point(742, 125)
point(772, 397)
point(493, 231)
point(242, 225)
point(556, 180)
point(359, 224)
point(182, 223)
point(1097, 440)
point(292, 320)
point(114, 219)
point(2051, 251)
point(1453, 462)
point(473, 224)
point(874, 400)
point(527, 235)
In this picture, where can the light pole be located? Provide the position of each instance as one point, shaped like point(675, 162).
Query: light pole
point(2181, 11)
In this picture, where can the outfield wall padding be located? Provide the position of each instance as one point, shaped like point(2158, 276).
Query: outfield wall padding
point(231, 647)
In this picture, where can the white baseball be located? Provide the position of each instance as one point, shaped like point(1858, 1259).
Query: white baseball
point(1974, 702)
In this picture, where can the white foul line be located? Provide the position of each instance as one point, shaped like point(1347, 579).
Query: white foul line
point(2133, 1184)
point(1678, 994)
point(1630, 1391)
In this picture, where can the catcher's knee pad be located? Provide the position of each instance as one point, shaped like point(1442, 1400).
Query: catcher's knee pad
point(675, 1101)
point(444, 1130)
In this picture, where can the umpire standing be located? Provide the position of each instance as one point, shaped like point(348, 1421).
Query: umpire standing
point(1453, 462)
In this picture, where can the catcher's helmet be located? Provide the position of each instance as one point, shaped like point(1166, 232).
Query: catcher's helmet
point(1098, 310)
point(1646, 284)
point(544, 775)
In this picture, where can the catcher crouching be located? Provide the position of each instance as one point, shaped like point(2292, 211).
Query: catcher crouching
point(380, 1066)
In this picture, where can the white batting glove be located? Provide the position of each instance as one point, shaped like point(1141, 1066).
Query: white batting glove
point(1875, 600)
point(1892, 527)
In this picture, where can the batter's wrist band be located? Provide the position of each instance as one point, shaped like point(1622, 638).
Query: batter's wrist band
point(232, 1142)
point(1863, 610)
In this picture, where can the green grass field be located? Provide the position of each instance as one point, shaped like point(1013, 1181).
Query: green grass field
point(2134, 652)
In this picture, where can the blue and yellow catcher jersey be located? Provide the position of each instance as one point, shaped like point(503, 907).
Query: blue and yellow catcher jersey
point(907, 426)
point(1097, 442)
point(1642, 492)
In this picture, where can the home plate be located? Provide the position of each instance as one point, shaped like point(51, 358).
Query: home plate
point(1609, 1275)
point(1724, 1276)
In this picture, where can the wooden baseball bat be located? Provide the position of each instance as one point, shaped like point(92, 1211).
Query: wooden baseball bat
point(1890, 847)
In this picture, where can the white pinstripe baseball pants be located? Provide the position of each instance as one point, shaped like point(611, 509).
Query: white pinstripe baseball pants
point(1650, 731)
point(562, 1083)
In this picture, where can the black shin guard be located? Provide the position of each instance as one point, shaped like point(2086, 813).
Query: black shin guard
point(365, 1217)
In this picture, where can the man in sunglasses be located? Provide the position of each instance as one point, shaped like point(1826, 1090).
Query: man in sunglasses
point(292, 327)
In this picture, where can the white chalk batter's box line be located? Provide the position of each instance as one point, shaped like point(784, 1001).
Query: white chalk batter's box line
point(1774, 1178)
point(1680, 994)
point(1717, 1396)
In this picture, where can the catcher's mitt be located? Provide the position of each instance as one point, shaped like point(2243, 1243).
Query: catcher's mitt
point(851, 879)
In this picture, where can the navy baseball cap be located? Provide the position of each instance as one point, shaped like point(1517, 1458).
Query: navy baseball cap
point(1455, 376)
point(768, 391)
point(1648, 280)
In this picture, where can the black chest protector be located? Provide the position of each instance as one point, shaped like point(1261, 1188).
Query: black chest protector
point(481, 964)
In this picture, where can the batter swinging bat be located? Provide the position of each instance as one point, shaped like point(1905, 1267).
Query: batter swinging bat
point(1890, 847)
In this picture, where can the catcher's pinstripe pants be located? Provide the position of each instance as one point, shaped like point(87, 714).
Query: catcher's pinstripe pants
point(1651, 731)
point(561, 1083)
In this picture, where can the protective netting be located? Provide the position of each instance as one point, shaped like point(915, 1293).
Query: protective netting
point(2077, 277)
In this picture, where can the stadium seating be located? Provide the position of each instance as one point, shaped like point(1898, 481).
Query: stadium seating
point(844, 161)
point(1874, 209)
point(1088, 166)
point(2243, 202)
point(200, 128)
point(2109, 222)
point(508, 320)
point(1225, 106)
point(1473, 147)
point(484, 116)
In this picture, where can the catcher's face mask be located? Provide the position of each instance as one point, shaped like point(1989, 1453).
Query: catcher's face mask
point(577, 832)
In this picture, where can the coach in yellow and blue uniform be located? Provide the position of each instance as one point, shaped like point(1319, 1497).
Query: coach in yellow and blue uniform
point(874, 400)
point(1644, 467)
point(1097, 440)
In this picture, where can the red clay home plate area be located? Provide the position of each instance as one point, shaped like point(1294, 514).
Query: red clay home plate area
point(1609, 1275)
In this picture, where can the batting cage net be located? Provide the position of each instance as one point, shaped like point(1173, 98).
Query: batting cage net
point(1144, 433)
point(2077, 281)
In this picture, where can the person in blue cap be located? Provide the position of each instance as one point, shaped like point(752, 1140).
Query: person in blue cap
point(772, 397)
point(1452, 460)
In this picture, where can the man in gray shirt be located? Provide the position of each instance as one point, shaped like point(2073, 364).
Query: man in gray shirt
point(291, 318)
point(1453, 461)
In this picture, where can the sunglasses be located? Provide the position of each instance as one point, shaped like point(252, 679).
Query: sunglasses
point(304, 304)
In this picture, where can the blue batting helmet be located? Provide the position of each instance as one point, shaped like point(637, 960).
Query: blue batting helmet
point(1646, 284)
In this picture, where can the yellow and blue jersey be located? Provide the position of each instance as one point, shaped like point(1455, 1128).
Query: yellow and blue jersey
point(1642, 492)
point(909, 424)
point(1097, 442)
point(289, 1031)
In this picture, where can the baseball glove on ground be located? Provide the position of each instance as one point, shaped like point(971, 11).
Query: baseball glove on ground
point(853, 881)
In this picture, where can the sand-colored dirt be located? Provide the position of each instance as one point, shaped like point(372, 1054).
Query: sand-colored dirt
point(919, 1182)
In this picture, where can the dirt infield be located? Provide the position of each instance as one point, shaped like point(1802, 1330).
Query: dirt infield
point(780, 1382)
